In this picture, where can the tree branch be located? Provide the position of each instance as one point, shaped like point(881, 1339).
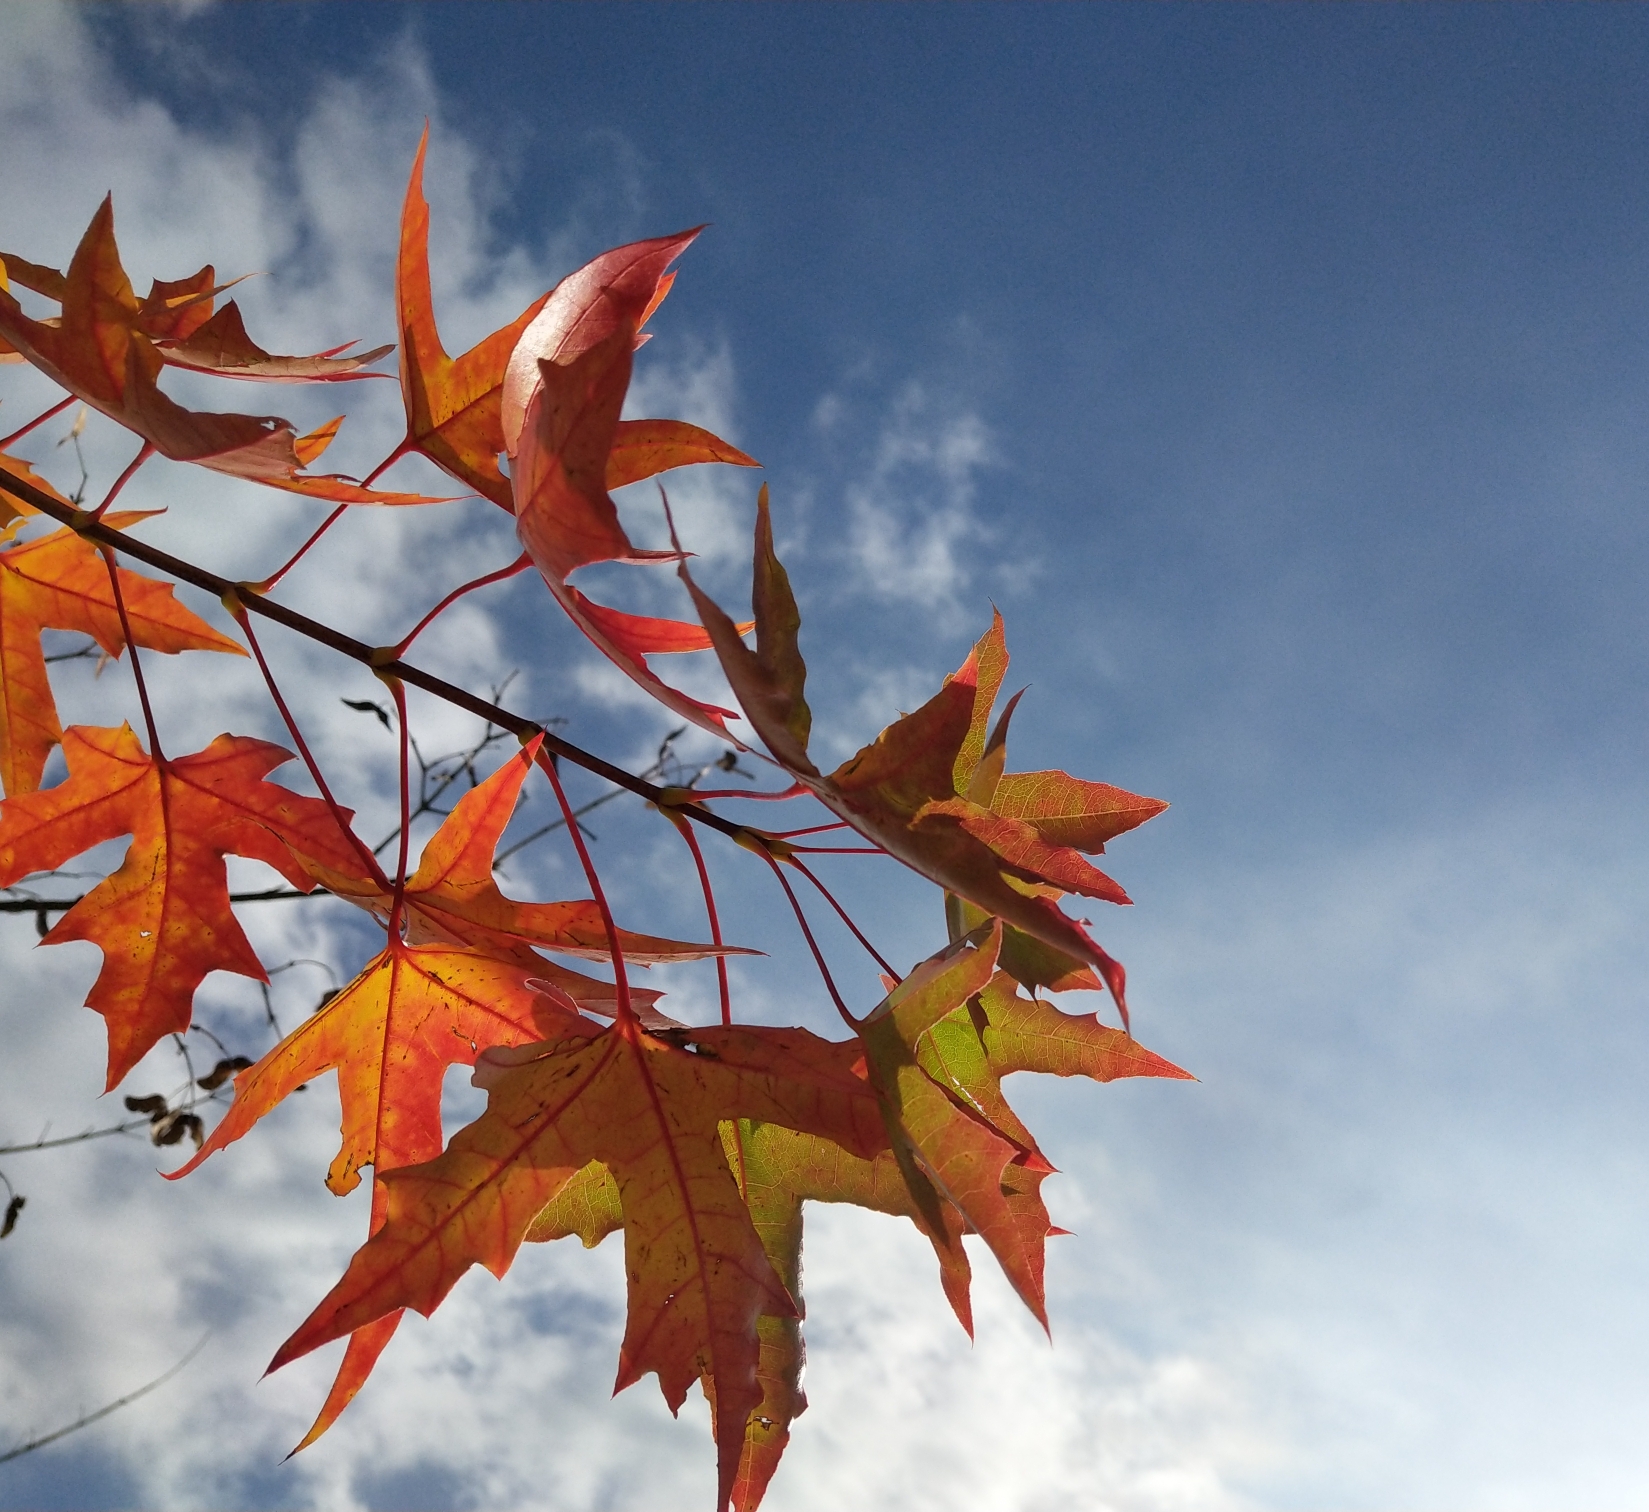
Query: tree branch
point(378, 658)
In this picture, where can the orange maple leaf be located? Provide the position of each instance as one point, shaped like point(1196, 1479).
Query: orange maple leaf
point(566, 518)
point(569, 449)
point(456, 407)
point(99, 352)
point(452, 404)
point(650, 1112)
point(163, 920)
point(177, 315)
point(13, 508)
point(620, 288)
point(172, 311)
point(61, 581)
point(912, 791)
point(220, 346)
point(391, 1034)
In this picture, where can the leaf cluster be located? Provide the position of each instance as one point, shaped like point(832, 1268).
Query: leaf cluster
point(701, 1144)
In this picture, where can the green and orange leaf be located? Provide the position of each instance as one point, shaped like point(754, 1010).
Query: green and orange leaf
point(921, 791)
point(650, 1112)
point(947, 1148)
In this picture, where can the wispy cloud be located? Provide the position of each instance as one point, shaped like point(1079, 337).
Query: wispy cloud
point(910, 509)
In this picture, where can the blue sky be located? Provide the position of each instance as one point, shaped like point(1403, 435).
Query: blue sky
point(1281, 373)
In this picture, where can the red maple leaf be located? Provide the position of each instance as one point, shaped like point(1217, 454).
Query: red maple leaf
point(912, 791)
point(99, 352)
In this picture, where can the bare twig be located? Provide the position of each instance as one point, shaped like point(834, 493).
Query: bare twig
point(62, 905)
point(102, 1412)
point(85, 653)
point(68, 1139)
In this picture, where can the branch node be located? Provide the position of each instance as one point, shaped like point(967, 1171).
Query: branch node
point(763, 844)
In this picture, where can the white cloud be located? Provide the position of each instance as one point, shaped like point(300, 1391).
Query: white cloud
point(713, 506)
point(911, 513)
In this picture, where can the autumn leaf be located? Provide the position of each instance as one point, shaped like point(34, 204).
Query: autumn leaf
point(969, 1050)
point(411, 1012)
point(456, 407)
point(567, 520)
point(31, 275)
point(60, 581)
point(1028, 960)
point(178, 317)
point(643, 449)
point(619, 289)
point(163, 920)
point(408, 1002)
point(221, 347)
point(780, 1169)
point(98, 352)
point(562, 394)
point(905, 790)
point(174, 309)
point(452, 404)
point(946, 1148)
point(776, 1214)
point(777, 1169)
point(391, 1034)
point(650, 1112)
point(12, 508)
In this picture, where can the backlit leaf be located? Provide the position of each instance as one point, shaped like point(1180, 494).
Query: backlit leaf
point(650, 1113)
point(60, 581)
point(98, 351)
point(163, 919)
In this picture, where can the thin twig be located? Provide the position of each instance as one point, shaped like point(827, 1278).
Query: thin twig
point(103, 1412)
point(62, 905)
point(69, 1139)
